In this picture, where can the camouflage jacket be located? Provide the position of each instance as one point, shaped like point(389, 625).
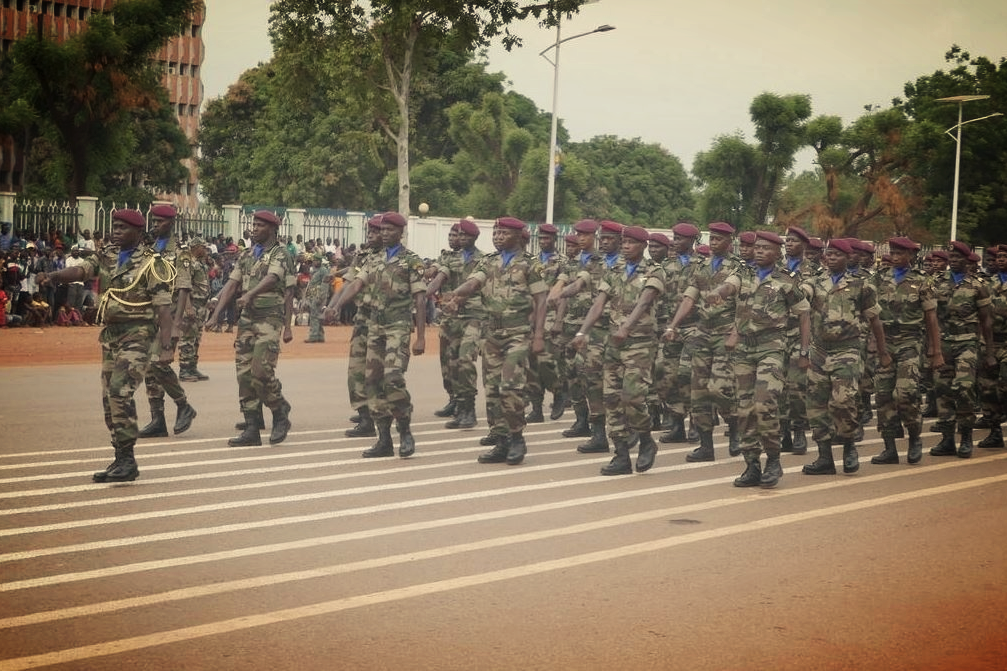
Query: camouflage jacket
point(676, 281)
point(704, 280)
point(765, 307)
point(319, 287)
point(904, 303)
point(457, 269)
point(591, 266)
point(839, 310)
point(193, 275)
point(624, 289)
point(393, 282)
point(958, 306)
point(360, 261)
point(551, 267)
point(131, 292)
point(507, 291)
point(248, 271)
point(998, 303)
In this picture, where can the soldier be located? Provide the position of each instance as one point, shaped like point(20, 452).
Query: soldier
point(840, 302)
point(461, 333)
point(963, 311)
point(768, 300)
point(513, 294)
point(630, 291)
point(746, 248)
point(658, 246)
point(397, 291)
point(546, 370)
point(160, 377)
point(447, 328)
point(192, 312)
point(813, 255)
point(934, 264)
point(712, 294)
point(993, 379)
point(316, 296)
point(135, 309)
point(356, 367)
point(863, 251)
point(264, 275)
point(908, 312)
point(793, 412)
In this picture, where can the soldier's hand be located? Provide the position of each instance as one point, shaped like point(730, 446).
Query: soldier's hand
point(578, 341)
point(732, 341)
point(990, 361)
point(620, 336)
point(713, 299)
point(804, 362)
point(885, 359)
point(241, 302)
point(937, 360)
point(670, 334)
point(288, 334)
point(419, 346)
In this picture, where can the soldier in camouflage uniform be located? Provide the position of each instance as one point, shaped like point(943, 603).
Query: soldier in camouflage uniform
point(135, 308)
point(933, 265)
point(768, 300)
point(395, 278)
point(544, 369)
point(629, 291)
point(993, 379)
point(316, 296)
point(513, 294)
point(461, 333)
point(840, 303)
point(447, 328)
point(192, 312)
point(909, 314)
point(712, 294)
point(356, 365)
point(161, 378)
point(793, 413)
point(963, 311)
point(265, 276)
point(863, 251)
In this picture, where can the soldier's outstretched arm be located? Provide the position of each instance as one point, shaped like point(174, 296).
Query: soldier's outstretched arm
point(420, 305)
point(223, 299)
point(593, 315)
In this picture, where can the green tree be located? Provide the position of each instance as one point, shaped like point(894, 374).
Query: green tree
point(728, 177)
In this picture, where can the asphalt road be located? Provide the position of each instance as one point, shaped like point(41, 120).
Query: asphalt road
point(305, 556)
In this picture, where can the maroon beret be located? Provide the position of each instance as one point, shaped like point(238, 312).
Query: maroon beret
point(131, 217)
point(374, 222)
point(586, 226)
point(887, 258)
point(685, 229)
point(704, 250)
point(960, 247)
point(904, 243)
point(862, 245)
point(816, 243)
point(548, 229)
point(636, 233)
point(661, 239)
point(770, 236)
point(939, 254)
point(570, 239)
point(842, 244)
point(721, 227)
point(468, 227)
point(511, 223)
point(611, 227)
point(455, 227)
point(393, 218)
point(747, 238)
point(163, 212)
point(799, 232)
point(266, 216)
point(974, 258)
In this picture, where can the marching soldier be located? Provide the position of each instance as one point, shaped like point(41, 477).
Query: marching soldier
point(545, 369)
point(191, 312)
point(793, 412)
point(993, 379)
point(448, 330)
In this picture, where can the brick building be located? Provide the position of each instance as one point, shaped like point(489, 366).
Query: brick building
point(181, 60)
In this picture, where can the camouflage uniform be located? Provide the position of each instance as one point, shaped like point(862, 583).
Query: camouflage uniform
point(161, 377)
point(316, 296)
point(672, 372)
point(260, 328)
point(461, 333)
point(591, 358)
point(792, 401)
point(193, 275)
point(548, 370)
point(356, 366)
point(577, 306)
point(993, 380)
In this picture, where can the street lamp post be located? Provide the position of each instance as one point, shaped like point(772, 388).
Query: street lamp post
point(551, 191)
point(961, 100)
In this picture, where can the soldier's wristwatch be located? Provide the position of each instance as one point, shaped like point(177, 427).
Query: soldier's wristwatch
point(804, 352)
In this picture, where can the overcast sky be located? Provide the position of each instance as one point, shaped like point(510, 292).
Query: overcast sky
point(681, 73)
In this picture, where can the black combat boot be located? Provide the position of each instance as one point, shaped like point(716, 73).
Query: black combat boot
point(123, 469)
point(157, 428)
point(800, 442)
point(580, 428)
point(465, 418)
point(753, 472)
point(647, 452)
point(599, 439)
point(384, 446)
point(355, 418)
point(535, 416)
point(655, 410)
point(490, 439)
point(692, 435)
point(773, 471)
point(250, 433)
point(676, 429)
point(995, 439)
point(281, 423)
point(516, 449)
point(825, 464)
point(915, 452)
point(449, 410)
point(889, 455)
point(620, 464)
point(559, 402)
point(183, 420)
point(965, 447)
point(186, 375)
point(733, 439)
point(407, 444)
point(851, 459)
point(260, 421)
point(705, 450)
point(365, 426)
point(786, 442)
point(985, 422)
point(945, 448)
point(498, 454)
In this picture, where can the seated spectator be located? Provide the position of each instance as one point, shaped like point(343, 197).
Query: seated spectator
point(63, 316)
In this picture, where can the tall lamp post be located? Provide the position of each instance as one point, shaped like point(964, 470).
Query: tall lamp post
point(961, 100)
point(551, 193)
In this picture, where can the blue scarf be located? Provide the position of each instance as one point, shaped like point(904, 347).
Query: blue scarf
point(506, 257)
point(900, 274)
point(957, 277)
point(544, 257)
point(793, 262)
point(684, 259)
point(584, 258)
point(836, 278)
point(1003, 278)
point(467, 254)
point(124, 255)
point(391, 252)
point(611, 258)
point(763, 273)
point(161, 244)
point(630, 269)
point(257, 251)
point(717, 262)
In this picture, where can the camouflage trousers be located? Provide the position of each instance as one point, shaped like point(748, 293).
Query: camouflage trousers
point(590, 366)
point(628, 370)
point(356, 365)
point(316, 310)
point(161, 378)
point(898, 387)
point(993, 384)
point(125, 354)
point(761, 376)
point(192, 335)
point(385, 365)
point(544, 371)
point(460, 344)
point(669, 386)
point(713, 379)
point(955, 383)
point(833, 387)
point(870, 355)
point(567, 367)
point(505, 376)
point(256, 351)
point(792, 404)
